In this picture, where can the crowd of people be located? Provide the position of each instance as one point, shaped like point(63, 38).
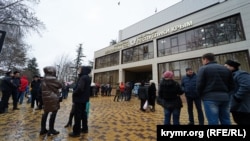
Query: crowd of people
point(221, 88)
point(218, 89)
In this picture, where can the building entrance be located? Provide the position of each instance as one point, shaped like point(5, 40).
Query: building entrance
point(138, 74)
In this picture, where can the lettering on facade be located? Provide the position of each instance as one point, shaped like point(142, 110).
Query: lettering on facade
point(148, 37)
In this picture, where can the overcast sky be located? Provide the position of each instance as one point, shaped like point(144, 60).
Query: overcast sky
point(92, 23)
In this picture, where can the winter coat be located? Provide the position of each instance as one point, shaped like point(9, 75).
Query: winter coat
point(50, 90)
point(81, 93)
point(214, 82)
point(188, 84)
point(143, 92)
point(7, 85)
point(16, 84)
point(24, 83)
point(240, 100)
point(122, 87)
point(170, 91)
point(151, 93)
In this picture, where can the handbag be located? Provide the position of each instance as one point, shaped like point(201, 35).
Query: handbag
point(145, 106)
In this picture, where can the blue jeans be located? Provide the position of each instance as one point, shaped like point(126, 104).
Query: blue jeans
point(20, 97)
point(217, 111)
point(176, 116)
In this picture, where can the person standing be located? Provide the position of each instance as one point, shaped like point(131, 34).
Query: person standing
point(35, 89)
point(240, 98)
point(122, 90)
point(50, 95)
point(15, 89)
point(143, 95)
point(81, 96)
point(170, 91)
point(65, 90)
point(22, 88)
point(117, 92)
point(214, 84)
point(6, 86)
point(152, 95)
point(39, 95)
point(188, 84)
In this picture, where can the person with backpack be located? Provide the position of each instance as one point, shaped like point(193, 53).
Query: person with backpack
point(240, 98)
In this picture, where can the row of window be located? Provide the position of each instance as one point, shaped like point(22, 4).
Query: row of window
point(138, 53)
point(178, 67)
point(225, 31)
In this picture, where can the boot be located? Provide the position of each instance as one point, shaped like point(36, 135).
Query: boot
point(43, 131)
point(52, 131)
point(69, 124)
point(43, 124)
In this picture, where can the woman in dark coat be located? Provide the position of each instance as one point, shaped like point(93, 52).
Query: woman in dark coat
point(169, 91)
point(50, 97)
point(152, 95)
point(81, 96)
point(143, 95)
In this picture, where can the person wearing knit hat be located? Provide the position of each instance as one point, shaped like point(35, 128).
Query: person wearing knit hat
point(240, 101)
point(168, 74)
point(232, 65)
point(169, 93)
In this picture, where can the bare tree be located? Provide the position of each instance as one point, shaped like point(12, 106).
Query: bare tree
point(64, 68)
point(17, 19)
point(17, 16)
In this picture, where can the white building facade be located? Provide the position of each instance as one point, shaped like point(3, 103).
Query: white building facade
point(175, 39)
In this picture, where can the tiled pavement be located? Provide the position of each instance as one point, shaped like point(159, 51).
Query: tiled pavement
point(108, 121)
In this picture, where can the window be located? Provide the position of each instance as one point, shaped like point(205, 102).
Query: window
point(227, 30)
point(138, 53)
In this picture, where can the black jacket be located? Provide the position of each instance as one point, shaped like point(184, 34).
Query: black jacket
point(81, 93)
point(214, 82)
point(7, 84)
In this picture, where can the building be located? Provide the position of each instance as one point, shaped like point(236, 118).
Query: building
point(176, 38)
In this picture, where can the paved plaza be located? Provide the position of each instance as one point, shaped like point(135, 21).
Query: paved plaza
point(108, 121)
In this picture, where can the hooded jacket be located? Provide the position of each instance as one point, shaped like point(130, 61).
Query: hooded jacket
point(50, 90)
point(81, 92)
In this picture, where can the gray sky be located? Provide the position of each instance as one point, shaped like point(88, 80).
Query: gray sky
point(93, 23)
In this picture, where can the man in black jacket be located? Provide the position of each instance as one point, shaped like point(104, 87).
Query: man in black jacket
point(81, 96)
point(16, 85)
point(214, 84)
point(6, 86)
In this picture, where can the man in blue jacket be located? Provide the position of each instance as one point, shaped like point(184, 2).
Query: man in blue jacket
point(240, 98)
point(188, 85)
point(214, 84)
point(81, 96)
